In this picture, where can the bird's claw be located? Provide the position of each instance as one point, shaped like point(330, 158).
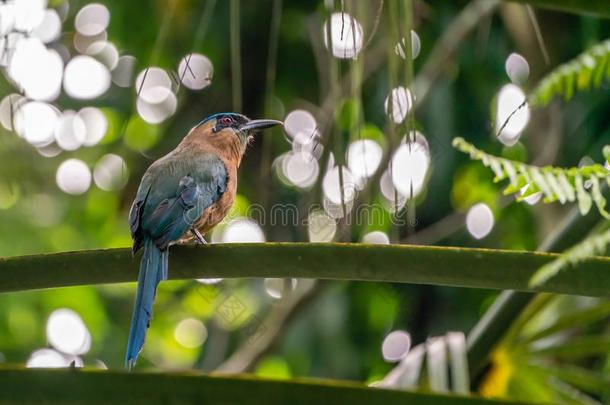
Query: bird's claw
point(199, 237)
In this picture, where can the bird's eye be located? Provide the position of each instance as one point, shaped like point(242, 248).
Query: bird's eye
point(227, 121)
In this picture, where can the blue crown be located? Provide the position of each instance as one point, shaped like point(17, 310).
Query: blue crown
point(218, 115)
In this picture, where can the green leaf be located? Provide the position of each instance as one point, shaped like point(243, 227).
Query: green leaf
point(92, 386)
point(580, 74)
point(571, 321)
point(597, 8)
point(593, 245)
point(577, 348)
point(479, 268)
point(557, 184)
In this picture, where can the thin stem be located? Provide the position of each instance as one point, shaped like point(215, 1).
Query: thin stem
point(272, 329)
point(202, 28)
point(267, 142)
point(539, 38)
point(235, 55)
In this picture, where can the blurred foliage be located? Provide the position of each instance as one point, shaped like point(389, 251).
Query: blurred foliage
point(340, 334)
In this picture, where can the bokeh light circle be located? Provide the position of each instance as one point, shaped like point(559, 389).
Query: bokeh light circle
point(320, 226)
point(243, 231)
point(110, 172)
point(396, 345)
point(70, 131)
point(346, 35)
point(195, 71)
point(512, 115)
point(35, 121)
point(86, 78)
point(479, 220)
point(92, 19)
point(410, 166)
point(67, 332)
point(376, 238)
point(364, 157)
point(338, 189)
point(73, 176)
point(398, 104)
point(517, 68)
point(190, 333)
point(96, 125)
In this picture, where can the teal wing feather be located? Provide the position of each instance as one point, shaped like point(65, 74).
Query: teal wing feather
point(172, 196)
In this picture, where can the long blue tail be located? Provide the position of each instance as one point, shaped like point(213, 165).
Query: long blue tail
point(153, 269)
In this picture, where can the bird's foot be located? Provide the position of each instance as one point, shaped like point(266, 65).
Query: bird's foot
point(199, 237)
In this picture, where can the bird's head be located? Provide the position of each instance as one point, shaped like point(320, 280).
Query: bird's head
point(232, 129)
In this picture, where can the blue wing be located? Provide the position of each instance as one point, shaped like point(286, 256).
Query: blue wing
point(172, 196)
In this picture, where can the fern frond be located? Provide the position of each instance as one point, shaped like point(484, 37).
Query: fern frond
point(593, 245)
point(587, 70)
point(576, 184)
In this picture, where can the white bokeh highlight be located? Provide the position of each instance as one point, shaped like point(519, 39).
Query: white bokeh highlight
point(35, 121)
point(73, 177)
point(364, 157)
point(277, 288)
point(92, 19)
point(122, 75)
point(299, 122)
point(301, 169)
point(67, 332)
point(345, 34)
point(321, 227)
point(49, 28)
point(396, 345)
point(37, 70)
point(243, 231)
point(190, 333)
point(479, 220)
point(401, 46)
point(28, 14)
point(398, 104)
point(197, 73)
point(110, 172)
point(47, 358)
point(376, 238)
point(517, 68)
point(86, 78)
point(70, 131)
point(410, 166)
point(339, 190)
point(511, 115)
point(96, 125)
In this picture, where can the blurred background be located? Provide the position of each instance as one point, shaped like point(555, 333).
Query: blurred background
point(93, 93)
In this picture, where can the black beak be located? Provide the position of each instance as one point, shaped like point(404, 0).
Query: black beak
point(259, 124)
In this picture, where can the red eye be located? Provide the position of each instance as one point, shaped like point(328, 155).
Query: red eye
point(227, 121)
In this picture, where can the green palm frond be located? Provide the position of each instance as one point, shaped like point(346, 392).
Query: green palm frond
point(586, 71)
point(593, 245)
point(549, 352)
point(575, 184)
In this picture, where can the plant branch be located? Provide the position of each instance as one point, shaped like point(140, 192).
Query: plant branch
point(274, 325)
point(68, 386)
point(480, 268)
point(596, 8)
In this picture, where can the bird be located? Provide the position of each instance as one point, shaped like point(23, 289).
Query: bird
point(181, 196)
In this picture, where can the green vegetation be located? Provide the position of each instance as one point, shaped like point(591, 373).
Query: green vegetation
point(370, 256)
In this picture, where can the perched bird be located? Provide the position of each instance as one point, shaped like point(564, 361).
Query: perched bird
point(182, 196)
